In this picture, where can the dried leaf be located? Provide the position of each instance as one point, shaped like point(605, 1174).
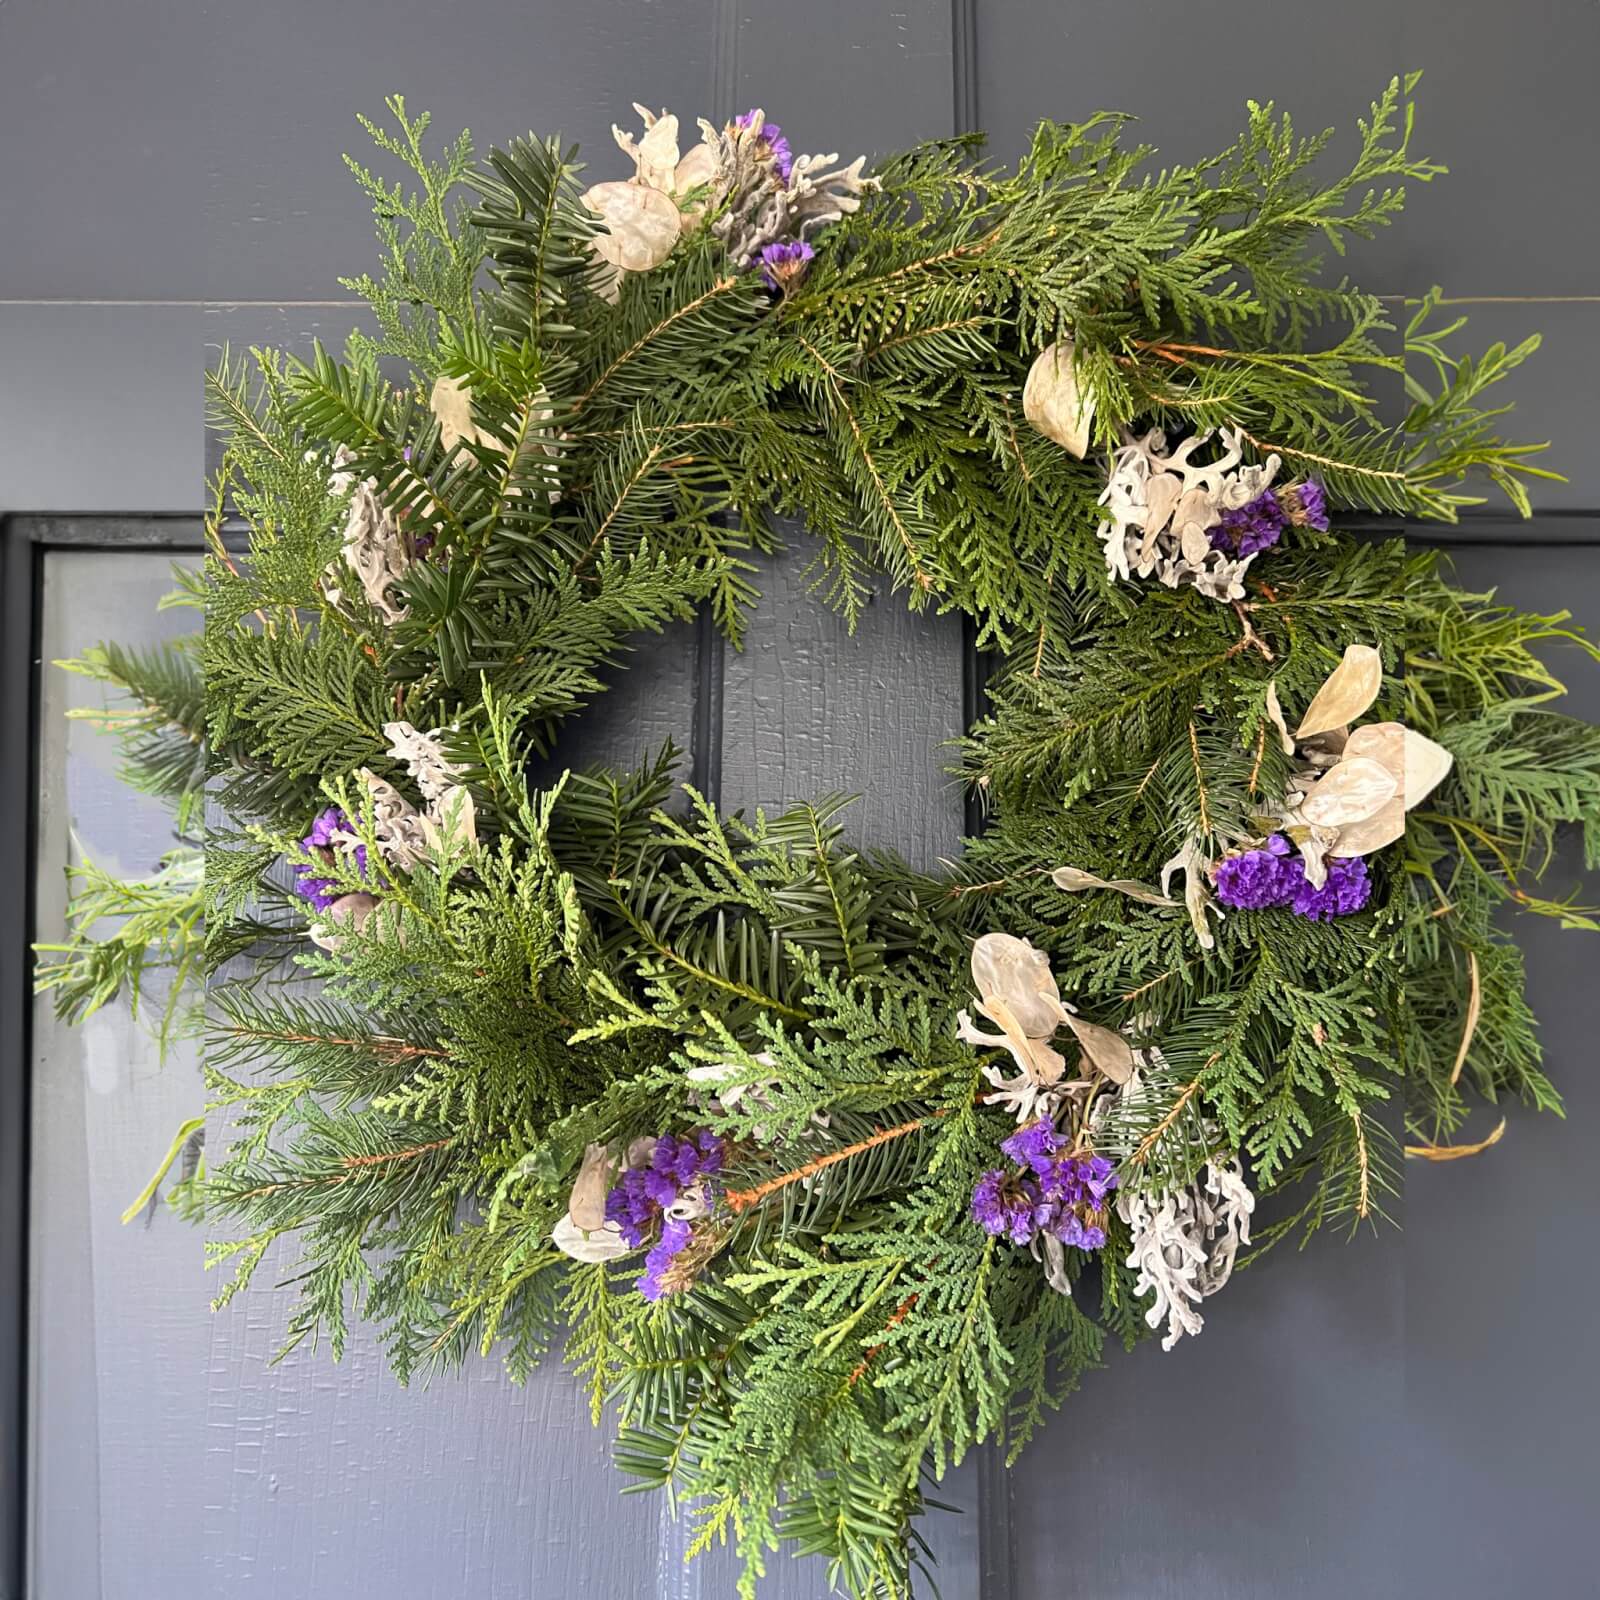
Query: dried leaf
point(1474, 1010)
point(1351, 688)
point(642, 225)
point(1074, 880)
point(1275, 713)
point(1349, 793)
point(1104, 1048)
point(1457, 1152)
point(1051, 402)
point(1373, 833)
point(587, 1205)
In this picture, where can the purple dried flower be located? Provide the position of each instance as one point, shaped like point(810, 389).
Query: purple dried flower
point(771, 135)
point(1063, 1196)
point(320, 891)
point(1006, 1203)
point(1313, 506)
point(1034, 1146)
point(1348, 889)
point(784, 264)
point(1248, 529)
point(1257, 879)
point(675, 1166)
point(674, 1236)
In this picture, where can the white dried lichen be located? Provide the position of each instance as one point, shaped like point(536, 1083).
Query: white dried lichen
point(1161, 505)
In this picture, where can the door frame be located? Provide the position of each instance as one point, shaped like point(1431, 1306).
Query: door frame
point(26, 540)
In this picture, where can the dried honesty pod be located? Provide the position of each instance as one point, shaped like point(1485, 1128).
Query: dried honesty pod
point(1052, 403)
point(589, 1245)
point(641, 225)
point(1105, 1049)
point(1161, 507)
point(1075, 880)
point(657, 164)
point(1354, 786)
point(1353, 789)
point(1018, 992)
point(1185, 1242)
point(376, 548)
point(351, 912)
point(450, 400)
point(1348, 693)
point(587, 1204)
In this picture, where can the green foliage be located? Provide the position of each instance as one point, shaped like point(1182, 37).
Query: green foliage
point(605, 960)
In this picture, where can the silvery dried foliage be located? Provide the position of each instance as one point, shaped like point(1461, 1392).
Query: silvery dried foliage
point(423, 756)
point(758, 207)
point(1185, 1242)
point(376, 548)
point(1161, 505)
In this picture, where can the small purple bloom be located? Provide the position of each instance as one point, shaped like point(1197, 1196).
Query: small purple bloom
point(1249, 529)
point(1313, 505)
point(784, 264)
point(1004, 1203)
point(1034, 1146)
point(320, 891)
point(641, 1194)
point(674, 1236)
point(1348, 889)
point(771, 135)
point(1258, 880)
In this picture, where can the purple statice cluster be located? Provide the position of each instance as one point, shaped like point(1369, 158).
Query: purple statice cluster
point(1063, 1195)
point(643, 1193)
point(1307, 505)
point(783, 264)
point(1251, 528)
point(1259, 880)
point(1258, 525)
point(777, 147)
point(322, 892)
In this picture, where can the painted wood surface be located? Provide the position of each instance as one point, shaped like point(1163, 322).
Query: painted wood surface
point(1361, 1420)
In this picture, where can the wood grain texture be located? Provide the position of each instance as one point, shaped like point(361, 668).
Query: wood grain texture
point(810, 709)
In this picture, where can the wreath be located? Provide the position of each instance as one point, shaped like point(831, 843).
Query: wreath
point(820, 1169)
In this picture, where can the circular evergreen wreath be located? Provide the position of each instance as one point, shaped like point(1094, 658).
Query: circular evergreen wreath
point(700, 1097)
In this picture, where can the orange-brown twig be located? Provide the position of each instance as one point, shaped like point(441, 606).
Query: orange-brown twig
point(902, 1311)
point(743, 1199)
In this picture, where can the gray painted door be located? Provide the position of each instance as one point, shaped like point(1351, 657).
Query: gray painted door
point(1406, 1415)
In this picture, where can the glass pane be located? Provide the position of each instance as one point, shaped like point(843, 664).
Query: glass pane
point(119, 1335)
